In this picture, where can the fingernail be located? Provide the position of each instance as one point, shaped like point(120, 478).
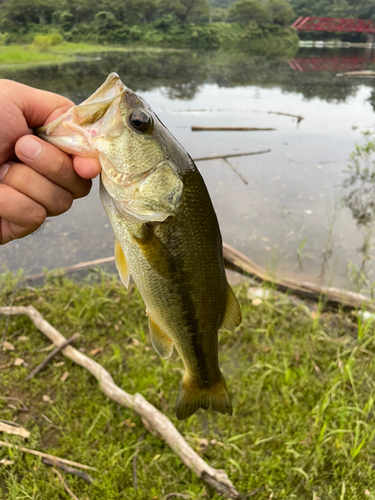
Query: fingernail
point(30, 147)
point(3, 170)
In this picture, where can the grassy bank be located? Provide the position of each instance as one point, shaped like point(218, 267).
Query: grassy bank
point(44, 50)
point(23, 56)
point(302, 384)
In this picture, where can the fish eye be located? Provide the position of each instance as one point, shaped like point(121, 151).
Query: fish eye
point(140, 120)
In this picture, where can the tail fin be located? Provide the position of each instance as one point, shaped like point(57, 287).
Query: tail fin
point(191, 397)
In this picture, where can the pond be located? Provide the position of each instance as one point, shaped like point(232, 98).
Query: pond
point(290, 209)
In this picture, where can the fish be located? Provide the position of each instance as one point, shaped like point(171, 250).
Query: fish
point(167, 236)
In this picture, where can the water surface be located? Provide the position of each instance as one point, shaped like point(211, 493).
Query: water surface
point(292, 215)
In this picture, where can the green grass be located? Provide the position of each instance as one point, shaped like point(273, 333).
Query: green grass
point(23, 56)
point(302, 385)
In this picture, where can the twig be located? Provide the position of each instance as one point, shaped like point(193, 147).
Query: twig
point(40, 367)
point(66, 487)
point(230, 129)
point(135, 478)
point(70, 470)
point(217, 479)
point(254, 492)
point(235, 155)
point(17, 431)
point(7, 398)
point(236, 171)
point(46, 455)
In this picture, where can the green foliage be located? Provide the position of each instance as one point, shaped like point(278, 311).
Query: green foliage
point(245, 11)
point(301, 381)
point(46, 41)
point(281, 12)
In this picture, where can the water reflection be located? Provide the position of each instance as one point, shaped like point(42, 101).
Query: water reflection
point(182, 73)
point(291, 207)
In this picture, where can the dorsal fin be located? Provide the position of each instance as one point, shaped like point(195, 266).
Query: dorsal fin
point(160, 341)
point(232, 317)
point(121, 264)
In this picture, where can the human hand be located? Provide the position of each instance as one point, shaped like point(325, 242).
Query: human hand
point(37, 180)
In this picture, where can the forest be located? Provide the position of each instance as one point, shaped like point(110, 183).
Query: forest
point(167, 22)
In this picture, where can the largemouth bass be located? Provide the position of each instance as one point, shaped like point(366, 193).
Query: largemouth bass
point(167, 234)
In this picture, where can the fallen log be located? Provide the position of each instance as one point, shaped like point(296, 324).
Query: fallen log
point(332, 296)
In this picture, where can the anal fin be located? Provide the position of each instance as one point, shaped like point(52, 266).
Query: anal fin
point(232, 317)
point(160, 341)
point(121, 264)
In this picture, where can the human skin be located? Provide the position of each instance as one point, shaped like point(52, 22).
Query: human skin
point(37, 180)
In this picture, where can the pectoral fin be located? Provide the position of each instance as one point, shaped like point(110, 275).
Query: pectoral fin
point(160, 341)
point(233, 315)
point(155, 252)
point(121, 264)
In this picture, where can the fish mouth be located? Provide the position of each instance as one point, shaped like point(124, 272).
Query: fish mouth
point(74, 131)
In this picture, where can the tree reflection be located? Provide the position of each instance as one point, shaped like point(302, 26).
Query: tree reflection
point(182, 73)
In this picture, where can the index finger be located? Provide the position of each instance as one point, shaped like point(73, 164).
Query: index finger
point(52, 164)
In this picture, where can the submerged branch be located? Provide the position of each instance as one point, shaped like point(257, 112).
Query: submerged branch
point(153, 418)
point(229, 129)
point(235, 155)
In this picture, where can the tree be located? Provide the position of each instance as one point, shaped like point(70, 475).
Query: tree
point(244, 11)
point(281, 12)
point(184, 10)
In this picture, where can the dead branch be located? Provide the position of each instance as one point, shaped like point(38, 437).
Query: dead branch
point(333, 296)
point(216, 478)
point(66, 487)
point(45, 455)
point(230, 129)
point(40, 367)
point(235, 155)
point(12, 429)
point(69, 470)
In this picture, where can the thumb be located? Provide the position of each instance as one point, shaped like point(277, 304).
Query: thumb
point(37, 106)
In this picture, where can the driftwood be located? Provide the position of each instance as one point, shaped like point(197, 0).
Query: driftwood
point(235, 155)
point(229, 129)
point(153, 418)
point(332, 296)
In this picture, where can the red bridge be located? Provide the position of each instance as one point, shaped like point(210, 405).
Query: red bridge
point(334, 24)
